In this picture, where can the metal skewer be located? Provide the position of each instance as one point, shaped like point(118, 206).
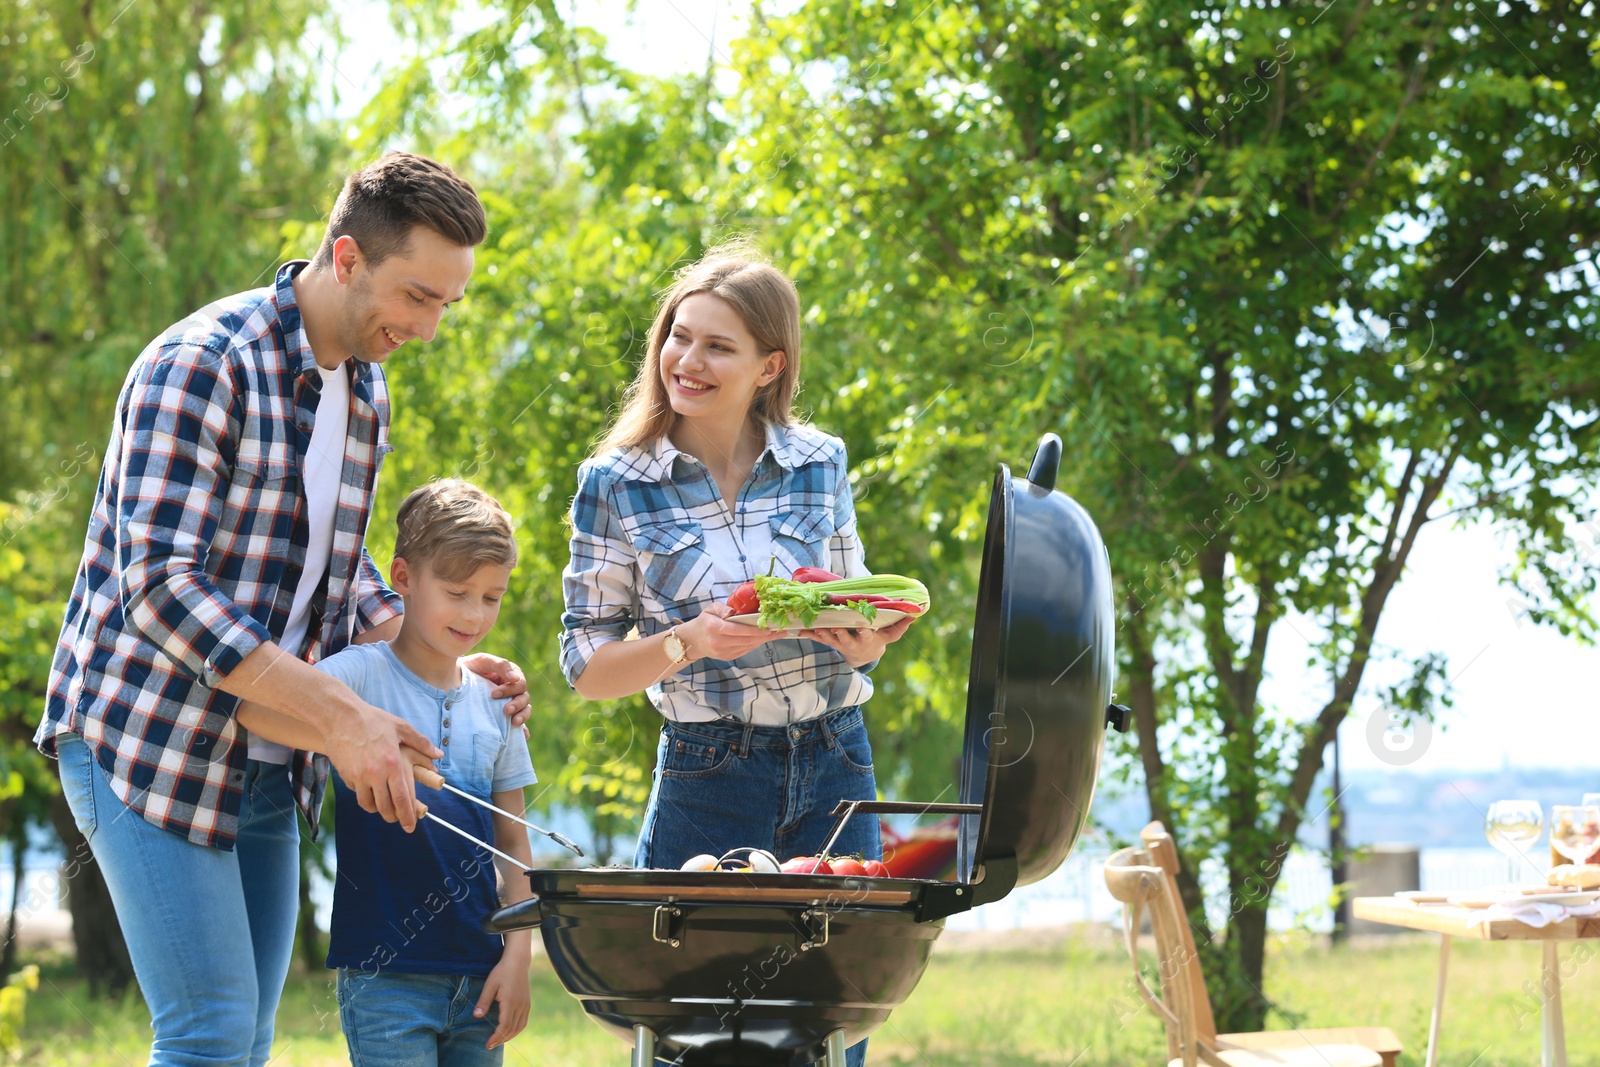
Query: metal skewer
point(434, 780)
point(424, 813)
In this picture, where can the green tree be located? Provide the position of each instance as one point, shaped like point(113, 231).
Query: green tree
point(150, 154)
point(1291, 281)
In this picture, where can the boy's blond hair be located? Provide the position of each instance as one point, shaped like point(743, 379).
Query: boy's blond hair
point(455, 528)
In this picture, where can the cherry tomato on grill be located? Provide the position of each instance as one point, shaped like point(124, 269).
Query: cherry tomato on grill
point(848, 866)
point(807, 865)
point(744, 600)
point(876, 869)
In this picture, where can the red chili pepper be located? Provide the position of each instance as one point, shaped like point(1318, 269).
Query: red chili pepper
point(817, 574)
point(744, 600)
point(899, 605)
point(877, 600)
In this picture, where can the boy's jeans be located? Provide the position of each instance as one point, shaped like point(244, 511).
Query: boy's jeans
point(415, 1020)
point(209, 932)
point(721, 785)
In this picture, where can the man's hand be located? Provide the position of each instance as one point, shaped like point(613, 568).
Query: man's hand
point(366, 748)
point(508, 679)
point(508, 984)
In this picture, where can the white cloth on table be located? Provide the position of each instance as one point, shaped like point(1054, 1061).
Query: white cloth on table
point(1534, 913)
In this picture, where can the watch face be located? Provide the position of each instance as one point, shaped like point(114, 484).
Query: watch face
point(674, 646)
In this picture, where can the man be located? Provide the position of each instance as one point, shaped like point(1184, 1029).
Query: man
point(225, 551)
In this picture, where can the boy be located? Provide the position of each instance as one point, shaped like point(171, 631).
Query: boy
point(419, 982)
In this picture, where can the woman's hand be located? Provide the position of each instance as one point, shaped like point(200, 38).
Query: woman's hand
point(858, 647)
point(508, 681)
point(710, 636)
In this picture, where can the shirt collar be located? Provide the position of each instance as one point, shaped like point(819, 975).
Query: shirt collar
point(661, 455)
point(301, 361)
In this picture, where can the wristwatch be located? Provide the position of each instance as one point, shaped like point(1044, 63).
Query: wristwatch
point(676, 650)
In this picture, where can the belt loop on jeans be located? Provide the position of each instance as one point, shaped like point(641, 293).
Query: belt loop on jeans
point(746, 740)
point(826, 728)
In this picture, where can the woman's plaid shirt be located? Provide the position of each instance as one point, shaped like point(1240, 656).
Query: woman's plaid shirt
point(654, 544)
point(195, 547)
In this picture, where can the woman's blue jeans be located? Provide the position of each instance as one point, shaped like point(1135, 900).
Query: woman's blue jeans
point(209, 932)
point(723, 785)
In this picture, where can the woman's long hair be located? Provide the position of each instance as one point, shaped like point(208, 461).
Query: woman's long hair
point(765, 299)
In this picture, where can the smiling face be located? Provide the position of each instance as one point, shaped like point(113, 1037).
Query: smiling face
point(446, 619)
point(711, 366)
point(402, 297)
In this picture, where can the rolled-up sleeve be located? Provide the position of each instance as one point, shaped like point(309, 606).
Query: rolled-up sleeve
point(376, 603)
point(598, 585)
point(174, 477)
point(846, 554)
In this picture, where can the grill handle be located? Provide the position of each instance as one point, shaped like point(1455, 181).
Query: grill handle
point(523, 915)
point(846, 809)
point(1046, 462)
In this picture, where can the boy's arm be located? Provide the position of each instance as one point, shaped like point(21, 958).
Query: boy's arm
point(508, 982)
point(262, 721)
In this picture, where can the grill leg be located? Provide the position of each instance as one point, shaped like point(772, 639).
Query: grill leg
point(644, 1047)
point(835, 1057)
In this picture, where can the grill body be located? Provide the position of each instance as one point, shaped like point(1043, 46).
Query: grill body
point(718, 968)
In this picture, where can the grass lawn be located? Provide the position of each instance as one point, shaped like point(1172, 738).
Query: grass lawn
point(1030, 999)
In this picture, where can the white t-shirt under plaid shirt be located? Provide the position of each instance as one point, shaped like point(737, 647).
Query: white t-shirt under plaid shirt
point(654, 544)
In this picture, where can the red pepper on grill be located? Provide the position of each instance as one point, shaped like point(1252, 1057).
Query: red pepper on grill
point(817, 574)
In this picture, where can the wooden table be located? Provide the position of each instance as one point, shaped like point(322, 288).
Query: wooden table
point(1456, 922)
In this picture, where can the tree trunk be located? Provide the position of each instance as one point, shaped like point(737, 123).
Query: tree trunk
point(19, 848)
point(96, 933)
point(1233, 970)
point(312, 952)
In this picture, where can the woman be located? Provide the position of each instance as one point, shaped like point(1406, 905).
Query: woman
point(703, 481)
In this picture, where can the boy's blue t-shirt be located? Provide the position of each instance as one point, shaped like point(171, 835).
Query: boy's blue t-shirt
point(411, 903)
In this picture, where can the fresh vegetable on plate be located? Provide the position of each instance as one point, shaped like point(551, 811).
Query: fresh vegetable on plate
point(781, 599)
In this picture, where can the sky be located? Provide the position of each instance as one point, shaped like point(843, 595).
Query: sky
point(1525, 697)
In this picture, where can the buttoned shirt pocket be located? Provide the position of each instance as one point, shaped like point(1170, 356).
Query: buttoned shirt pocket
point(800, 537)
point(672, 556)
point(264, 483)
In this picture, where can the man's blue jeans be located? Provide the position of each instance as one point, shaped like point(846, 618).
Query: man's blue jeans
point(722, 785)
point(415, 1020)
point(210, 932)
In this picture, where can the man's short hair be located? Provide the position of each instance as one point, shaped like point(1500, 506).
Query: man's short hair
point(382, 201)
point(455, 528)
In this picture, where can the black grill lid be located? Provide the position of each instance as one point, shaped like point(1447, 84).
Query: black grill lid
point(1043, 658)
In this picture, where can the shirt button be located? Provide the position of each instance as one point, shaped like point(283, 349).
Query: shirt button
point(741, 559)
point(444, 742)
point(447, 723)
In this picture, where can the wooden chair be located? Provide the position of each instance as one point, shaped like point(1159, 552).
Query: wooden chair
point(1143, 879)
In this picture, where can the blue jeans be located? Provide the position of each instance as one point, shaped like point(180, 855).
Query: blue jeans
point(209, 932)
point(415, 1020)
point(722, 785)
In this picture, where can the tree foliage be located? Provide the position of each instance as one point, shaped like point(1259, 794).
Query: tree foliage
point(1290, 281)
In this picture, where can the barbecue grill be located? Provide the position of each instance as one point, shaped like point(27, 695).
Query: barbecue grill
point(718, 968)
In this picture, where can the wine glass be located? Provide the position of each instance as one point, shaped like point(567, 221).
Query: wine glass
point(1511, 826)
point(1575, 830)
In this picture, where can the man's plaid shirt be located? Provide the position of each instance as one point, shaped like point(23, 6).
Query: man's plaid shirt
point(195, 547)
point(654, 544)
